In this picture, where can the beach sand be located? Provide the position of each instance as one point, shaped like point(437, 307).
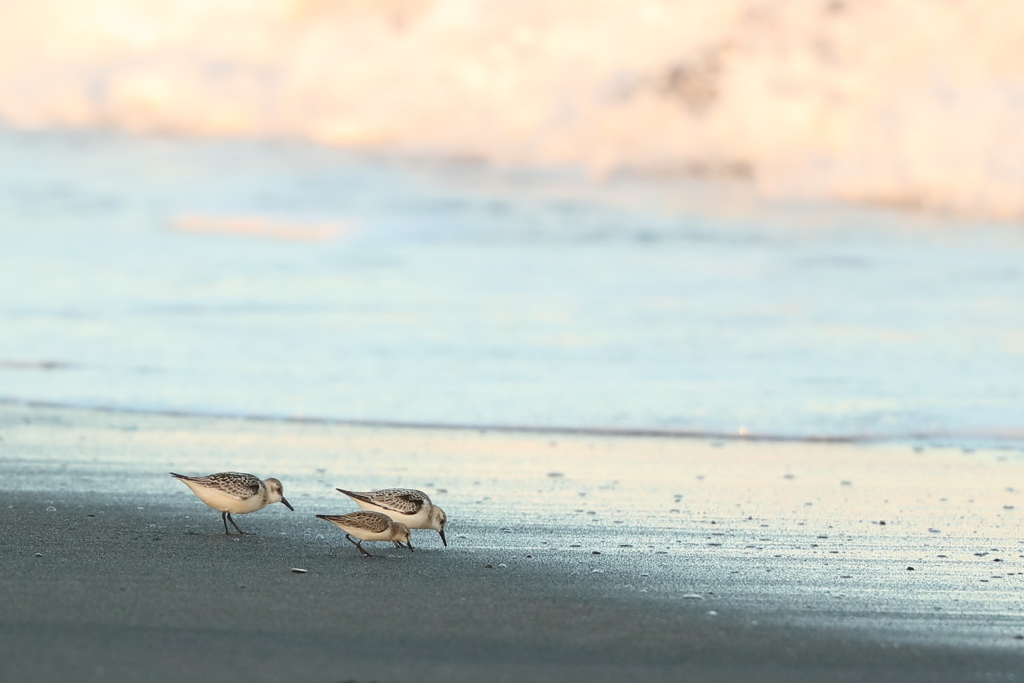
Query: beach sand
point(610, 558)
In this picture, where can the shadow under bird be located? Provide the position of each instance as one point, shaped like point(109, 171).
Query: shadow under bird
point(408, 506)
point(235, 493)
point(370, 526)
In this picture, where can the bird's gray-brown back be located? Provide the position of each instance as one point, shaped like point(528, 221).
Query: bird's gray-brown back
point(402, 501)
point(236, 484)
point(374, 522)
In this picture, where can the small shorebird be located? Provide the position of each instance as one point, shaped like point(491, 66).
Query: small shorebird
point(408, 506)
point(370, 526)
point(235, 493)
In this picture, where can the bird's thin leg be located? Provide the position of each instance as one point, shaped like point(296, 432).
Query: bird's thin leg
point(224, 518)
point(232, 520)
point(358, 545)
point(397, 544)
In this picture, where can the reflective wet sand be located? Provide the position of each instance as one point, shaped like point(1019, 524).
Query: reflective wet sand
point(571, 557)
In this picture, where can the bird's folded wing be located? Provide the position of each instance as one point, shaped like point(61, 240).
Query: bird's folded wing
point(403, 501)
point(234, 484)
point(370, 521)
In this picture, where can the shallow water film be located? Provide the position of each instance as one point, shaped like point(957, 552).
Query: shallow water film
point(282, 279)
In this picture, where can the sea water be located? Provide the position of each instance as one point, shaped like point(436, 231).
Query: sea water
point(284, 279)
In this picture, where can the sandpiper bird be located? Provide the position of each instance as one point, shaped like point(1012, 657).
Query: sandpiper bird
point(370, 526)
point(408, 506)
point(235, 493)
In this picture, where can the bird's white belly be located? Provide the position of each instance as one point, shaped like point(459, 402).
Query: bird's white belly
point(222, 502)
point(365, 535)
point(418, 521)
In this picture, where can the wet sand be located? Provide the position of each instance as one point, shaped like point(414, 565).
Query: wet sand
point(611, 559)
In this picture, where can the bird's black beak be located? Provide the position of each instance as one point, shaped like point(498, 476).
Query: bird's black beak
point(441, 532)
point(287, 504)
point(408, 544)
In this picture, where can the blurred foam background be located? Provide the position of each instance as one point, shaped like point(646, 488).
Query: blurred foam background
point(907, 102)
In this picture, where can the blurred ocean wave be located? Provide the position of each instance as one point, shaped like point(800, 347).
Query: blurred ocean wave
point(906, 102)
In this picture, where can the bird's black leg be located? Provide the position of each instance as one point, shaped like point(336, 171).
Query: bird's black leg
point(358, 545)
point(232, 520)
point(224, 518)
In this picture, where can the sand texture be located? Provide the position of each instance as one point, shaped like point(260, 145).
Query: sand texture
point(610, 559)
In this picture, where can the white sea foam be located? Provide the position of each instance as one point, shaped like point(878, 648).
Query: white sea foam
point(905, 101)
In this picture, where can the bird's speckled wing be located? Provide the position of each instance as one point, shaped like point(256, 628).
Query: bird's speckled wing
point(402, 501)
point(235, 484)
point(370, 521)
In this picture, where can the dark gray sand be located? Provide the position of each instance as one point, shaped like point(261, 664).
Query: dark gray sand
point(135, 580)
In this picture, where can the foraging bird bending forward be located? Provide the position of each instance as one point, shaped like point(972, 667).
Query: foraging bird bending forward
point(370, 526)
point(408, 506)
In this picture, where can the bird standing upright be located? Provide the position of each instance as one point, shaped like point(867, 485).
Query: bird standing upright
point(235, 493)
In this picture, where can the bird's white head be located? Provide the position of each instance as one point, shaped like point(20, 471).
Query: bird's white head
point(437, 521)
point(402, 534)
point(275, 493)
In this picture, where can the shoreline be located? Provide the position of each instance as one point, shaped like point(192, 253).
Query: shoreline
point(1006, 439)
point(150, 589)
